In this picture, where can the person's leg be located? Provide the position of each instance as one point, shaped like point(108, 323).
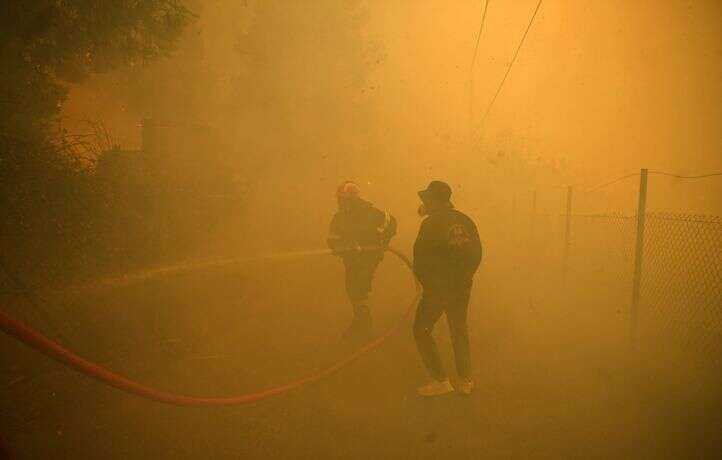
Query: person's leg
point(358, 286)
point(354, 293)
point(456, 314)
point(367, 269)
point(428, 313)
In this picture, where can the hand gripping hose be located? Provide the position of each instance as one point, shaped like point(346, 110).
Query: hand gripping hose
point(52, 349)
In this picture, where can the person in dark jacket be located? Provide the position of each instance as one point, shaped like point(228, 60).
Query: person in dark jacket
point(447, 253)
point(359, 233)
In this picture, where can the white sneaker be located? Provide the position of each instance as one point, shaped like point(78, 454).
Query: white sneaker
point(465, 386)
point(435, 388)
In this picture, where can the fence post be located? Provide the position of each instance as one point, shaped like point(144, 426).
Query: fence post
point(638, 254)
point(567, 230)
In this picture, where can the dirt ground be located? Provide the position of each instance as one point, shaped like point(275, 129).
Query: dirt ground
point(543, 391)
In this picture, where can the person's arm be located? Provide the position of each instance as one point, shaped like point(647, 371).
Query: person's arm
point(474, 252)
point(422, 253)
point(334, 239)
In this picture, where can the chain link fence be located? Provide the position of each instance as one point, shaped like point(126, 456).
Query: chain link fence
point(681, 285)
point(590, 259)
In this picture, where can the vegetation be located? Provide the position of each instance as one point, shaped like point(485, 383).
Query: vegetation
point(48, 193)
point(75, 205)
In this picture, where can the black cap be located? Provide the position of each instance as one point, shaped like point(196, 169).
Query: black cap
point(437, 190)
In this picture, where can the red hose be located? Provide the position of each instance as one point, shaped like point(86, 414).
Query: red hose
point(34, 339)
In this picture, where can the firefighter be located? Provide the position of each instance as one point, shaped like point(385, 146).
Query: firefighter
point(359, 234)
point(447, 253)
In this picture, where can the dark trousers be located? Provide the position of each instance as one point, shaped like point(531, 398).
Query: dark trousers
point(435, 302)
point(360, 271)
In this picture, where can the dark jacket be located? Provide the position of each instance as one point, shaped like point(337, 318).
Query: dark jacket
point(447, 251)
point(360, 225)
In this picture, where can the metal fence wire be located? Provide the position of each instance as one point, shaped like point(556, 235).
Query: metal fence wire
point(681, 284)
point(591, 259)
point(653, 280)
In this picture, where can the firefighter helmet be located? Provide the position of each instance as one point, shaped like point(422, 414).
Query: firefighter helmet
point(347, 190)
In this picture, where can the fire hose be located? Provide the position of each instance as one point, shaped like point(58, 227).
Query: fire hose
point(57, 352)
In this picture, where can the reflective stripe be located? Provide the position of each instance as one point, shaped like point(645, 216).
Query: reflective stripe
point(387, 222)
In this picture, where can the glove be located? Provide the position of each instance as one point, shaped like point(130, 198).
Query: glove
point(346, 250)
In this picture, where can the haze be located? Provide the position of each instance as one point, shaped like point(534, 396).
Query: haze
point(202, 269)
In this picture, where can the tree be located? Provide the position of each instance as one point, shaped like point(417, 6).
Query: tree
point(46, 193)
point(43, 42)
point(307, 71)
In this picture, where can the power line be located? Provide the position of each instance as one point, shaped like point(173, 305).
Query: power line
point(513, 59)
point(619, 179)
point(473, 63)
point(661, 173)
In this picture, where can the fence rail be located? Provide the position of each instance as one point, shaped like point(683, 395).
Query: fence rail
point(659, 274)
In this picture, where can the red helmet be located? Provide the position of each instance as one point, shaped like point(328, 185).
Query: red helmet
point(347, 190)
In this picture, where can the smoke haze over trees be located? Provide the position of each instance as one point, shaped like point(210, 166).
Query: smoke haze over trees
point(253, 95)
point(47, 191)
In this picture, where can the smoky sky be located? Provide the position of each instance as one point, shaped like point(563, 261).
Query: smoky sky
point(380, 92)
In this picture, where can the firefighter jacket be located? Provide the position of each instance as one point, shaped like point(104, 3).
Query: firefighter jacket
point(447, 251)
point(360, 224)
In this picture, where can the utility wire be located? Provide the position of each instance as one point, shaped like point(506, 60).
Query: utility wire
point(619, 179)
point(513, 59)
point(661, 173)
point(473, 64)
